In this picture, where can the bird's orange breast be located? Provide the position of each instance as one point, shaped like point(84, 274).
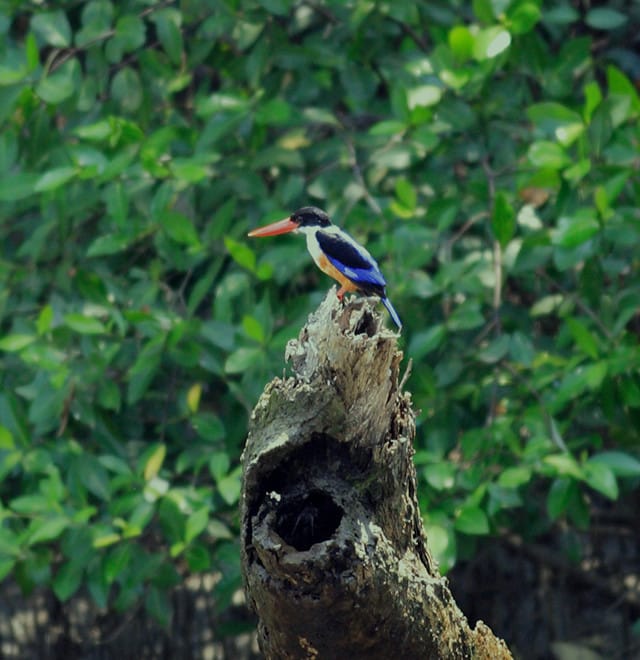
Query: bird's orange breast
point(327, 267)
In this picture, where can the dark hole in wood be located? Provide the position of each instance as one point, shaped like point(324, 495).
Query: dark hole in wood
point(312, 518)
point(366, 325)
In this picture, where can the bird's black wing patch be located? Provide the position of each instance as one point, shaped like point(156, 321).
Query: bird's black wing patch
point(359, 267)
point(345, 253)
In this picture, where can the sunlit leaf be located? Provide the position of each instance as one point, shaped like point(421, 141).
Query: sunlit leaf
point(193, 397)
point(472, 520)
point(14, 343)
point(154, 462)
point(601, 478)
point(85, 325)
point(53, 27)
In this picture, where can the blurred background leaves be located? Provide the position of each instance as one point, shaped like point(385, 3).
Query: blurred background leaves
point(486, 152)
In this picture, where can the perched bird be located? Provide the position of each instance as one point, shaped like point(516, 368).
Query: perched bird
point(335, 253)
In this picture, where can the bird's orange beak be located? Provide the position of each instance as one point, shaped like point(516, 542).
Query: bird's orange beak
point(275, 228)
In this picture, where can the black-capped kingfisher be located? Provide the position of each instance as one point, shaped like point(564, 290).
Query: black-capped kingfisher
point(335, 253)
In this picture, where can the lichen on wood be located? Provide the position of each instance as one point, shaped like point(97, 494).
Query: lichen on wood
point(334, 555)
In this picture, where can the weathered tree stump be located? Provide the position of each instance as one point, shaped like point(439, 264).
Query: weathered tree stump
point(334, 554)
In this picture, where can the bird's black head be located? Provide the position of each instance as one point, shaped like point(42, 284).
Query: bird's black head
point(310, 216)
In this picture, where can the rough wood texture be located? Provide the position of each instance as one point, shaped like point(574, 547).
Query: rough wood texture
point(334, 555)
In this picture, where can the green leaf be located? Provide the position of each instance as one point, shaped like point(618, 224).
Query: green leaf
point(426, 341)
point(98, 588)
point(229, 487)
point(472, 520)
point(126, 89)
point(171, 519)
point(594, 375)
point(190, 169)
point(31, 505)
point(242, 360)
point(620, 463)
point(503, 220)
point(560, 15)
point(53, 28)
point(564, 465)
point(94, 477)
point(406, 194)
point(253, 328)
point(557, 121)
point(108, 244)
point(604, 18)
point(440, 476)
point(546, 305)
point(6, 442)
point(179, 228)
point(466, 316)
point(495, 350)
point(98, 131)
point(196, 523)
point(577, 229)
point(158, 605)
point(117, 562)
point(620, 85)
point(423, 96)
point(14, 67)
point(521, 349)
point(45, 320)
point(490, 42)
point(67, 580)
point(61, 84)
point(461, 42)
point(6, 566)
point(47, 529)
point(514, 477)
point(219, 465)
point(144, 369)
point(548, 154)
point(523, 17)
point(198, 557)
point(84, 325)
point(593, 98)
point(584, 338)
point(601, 478)
point(96, 22)
point(442, 543)
point(387, 128)
point(208, 426)
point(168, 26)
point(154, 462)
point(10, 543)
point(54, 178)
point(241, 253)
point(17, 186)
point(194, 394)
point(561, 494)
point(274, 112)
point(106, 539)
point(483, 9)
point(15, 343)
point(277, 7)
point(130, 34)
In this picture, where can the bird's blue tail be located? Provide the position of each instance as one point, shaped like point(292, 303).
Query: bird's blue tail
point(394, 315)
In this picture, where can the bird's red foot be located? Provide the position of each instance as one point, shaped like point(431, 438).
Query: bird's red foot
point(341, 292)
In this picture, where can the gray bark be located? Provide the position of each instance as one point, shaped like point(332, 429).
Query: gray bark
point(334, 554)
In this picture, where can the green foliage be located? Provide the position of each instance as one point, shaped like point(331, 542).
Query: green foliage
point(484, 152)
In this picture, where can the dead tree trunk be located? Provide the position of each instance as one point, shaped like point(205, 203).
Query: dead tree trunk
point(334, 554)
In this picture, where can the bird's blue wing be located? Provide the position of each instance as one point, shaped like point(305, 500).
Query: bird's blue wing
point(359, 266)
